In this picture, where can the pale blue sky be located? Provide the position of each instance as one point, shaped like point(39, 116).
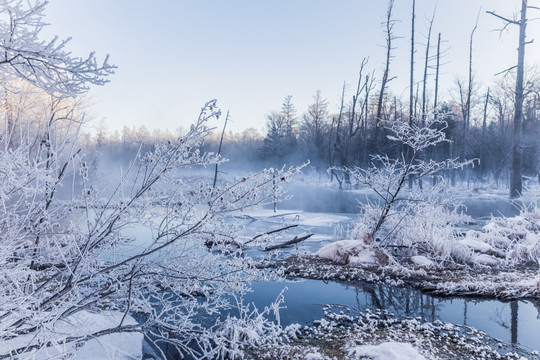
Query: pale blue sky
point(173, 55)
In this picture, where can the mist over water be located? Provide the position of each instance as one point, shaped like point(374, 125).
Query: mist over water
point(321, 199)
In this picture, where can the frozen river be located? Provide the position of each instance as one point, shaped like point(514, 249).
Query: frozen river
point(325, 211)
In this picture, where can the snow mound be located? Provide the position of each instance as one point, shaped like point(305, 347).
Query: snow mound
point(476, 245)
point(385, 351)
point(348, 252)
point(485, 259)
point(314, 356)
point(422, 261)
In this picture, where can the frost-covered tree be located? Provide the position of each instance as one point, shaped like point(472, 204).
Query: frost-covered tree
point(388, 175)
point(45, 64)
point(413, 222)
point(156, 243)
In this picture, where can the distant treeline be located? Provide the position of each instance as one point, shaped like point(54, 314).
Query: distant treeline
point(349, 138)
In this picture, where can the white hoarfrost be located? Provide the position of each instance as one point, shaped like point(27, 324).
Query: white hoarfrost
point(48, 65)
point(61, 258)
point(401, 221)
point(67, 247)
point(513, 241)
point(422, 226)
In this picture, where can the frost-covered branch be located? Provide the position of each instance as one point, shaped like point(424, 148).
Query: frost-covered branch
point(141, 249)
point(388, 175)
point(46, 64)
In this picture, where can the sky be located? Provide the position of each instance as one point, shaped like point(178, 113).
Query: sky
point(174, 55)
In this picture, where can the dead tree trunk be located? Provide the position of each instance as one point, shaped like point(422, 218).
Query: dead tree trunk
point(467, 112)
point(411, 80)
point(219, 150)
point(426, 66)
point(437, 67)
point(389, 26)
point(516, 186)
point(424, 83)
point(484, 140)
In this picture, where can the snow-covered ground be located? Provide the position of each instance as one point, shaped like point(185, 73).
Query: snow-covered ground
point(379, 335)
point(122, 346)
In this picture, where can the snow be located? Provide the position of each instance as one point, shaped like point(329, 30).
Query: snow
point(386, 351)
point(122, 346)
point(297, 217)
point(422, 261)
point(364, 256)
point(485, 259)
point(348, 251)
point(476, 245)
point(318, 219)
point(314, 356)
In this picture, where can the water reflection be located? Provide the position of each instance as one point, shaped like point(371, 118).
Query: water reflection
point(515, 322)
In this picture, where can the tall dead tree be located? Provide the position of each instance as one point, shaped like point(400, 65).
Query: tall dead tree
point(369, 85)
point(467, 107)
point(424, 81)
point(516, 186)
point(389, 27)
point(484, 141)
point(411, 81)
point(437, 68)
point(345, 133)
point(426, 66)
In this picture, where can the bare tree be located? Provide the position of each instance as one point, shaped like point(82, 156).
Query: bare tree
point(484, 132)
point(411, 80)
point(426, 67)
point(389, 28)
point(467, 107)
point(516, 186)
point(313, 127)
point(387, 180)
point(346, 129)
point(437, 69)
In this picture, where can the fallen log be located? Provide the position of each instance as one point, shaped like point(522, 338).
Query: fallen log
point(296, 240)
point(271, 232)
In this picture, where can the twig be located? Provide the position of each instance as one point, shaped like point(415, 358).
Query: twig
point(219, 150)
point(288, 243)
point(271, 232)
point(503, 18)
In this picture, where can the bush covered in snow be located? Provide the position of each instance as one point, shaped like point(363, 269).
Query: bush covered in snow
point(401, 222)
